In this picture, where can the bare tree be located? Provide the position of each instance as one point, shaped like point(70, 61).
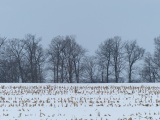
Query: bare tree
point(78, 57)
point(34, 58)
point(9, 63)
point(156, 59)
point(104, 54)
point(148, 73)
point(2, 48)
point(134, 53)
point(70, 47)
point(118, 57)
point(56, 58)
point(65, 57)
point(15, 49)
point(3, 63)
point(90, 68)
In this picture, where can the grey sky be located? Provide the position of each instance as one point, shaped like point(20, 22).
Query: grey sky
point(92, 21)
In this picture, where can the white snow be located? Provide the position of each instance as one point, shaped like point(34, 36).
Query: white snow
point(80, 101)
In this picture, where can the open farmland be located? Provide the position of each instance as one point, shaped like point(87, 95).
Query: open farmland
point(79, 101)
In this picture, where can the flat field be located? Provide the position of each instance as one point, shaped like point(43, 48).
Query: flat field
point(80, 101)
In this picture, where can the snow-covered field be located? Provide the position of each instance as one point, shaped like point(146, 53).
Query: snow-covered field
point(79, 101)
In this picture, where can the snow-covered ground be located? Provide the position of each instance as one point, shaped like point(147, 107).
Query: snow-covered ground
point(80, 101)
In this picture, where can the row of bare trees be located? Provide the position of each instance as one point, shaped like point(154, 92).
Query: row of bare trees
point(116, 58)
point(21, 60)
point(151, 68)
point(65, 61)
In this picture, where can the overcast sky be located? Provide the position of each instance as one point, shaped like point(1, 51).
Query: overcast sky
point(92, 21)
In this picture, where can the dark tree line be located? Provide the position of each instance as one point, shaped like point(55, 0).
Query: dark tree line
point(65, 58)
point(22, 60)
point(65, 61)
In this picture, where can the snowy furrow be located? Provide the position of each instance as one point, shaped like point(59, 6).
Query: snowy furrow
point(80, 101)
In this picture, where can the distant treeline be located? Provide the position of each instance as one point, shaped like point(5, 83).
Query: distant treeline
point(65, 61)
